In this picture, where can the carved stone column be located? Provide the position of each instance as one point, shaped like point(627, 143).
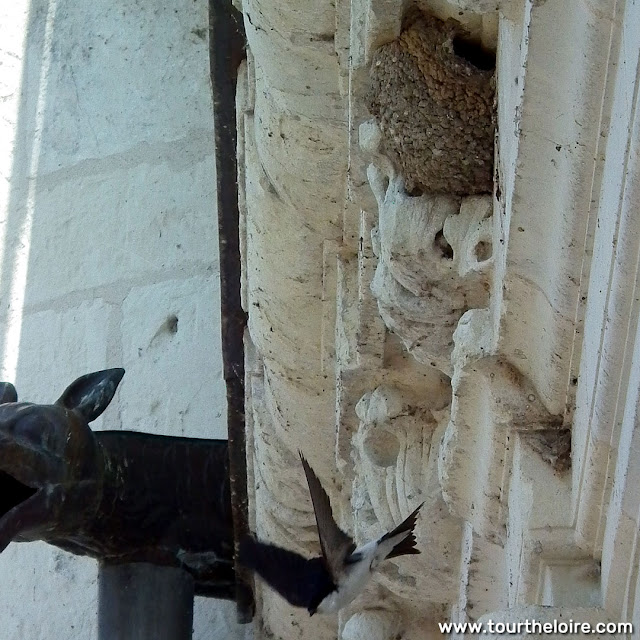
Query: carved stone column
point(482, 355)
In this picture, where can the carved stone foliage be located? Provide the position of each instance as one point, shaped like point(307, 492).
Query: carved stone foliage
point(395, 452)
point(393, 445)
point(434, 263)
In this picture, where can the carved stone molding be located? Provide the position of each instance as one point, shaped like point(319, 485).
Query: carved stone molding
point(395, 451)
point(492, 403)
point(434, 264)
point(464, 351)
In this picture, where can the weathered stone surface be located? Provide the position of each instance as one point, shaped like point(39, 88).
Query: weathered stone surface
point(460, 350)
point(293, 134)
point(74, 339)
point(434, 264)
point(395, 452)
point(147, 212)
point(170, 328)
point(134, 77)
point(47, 593)
point(493, 404)
point(15, 14)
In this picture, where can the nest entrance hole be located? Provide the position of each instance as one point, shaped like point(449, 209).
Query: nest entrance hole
point(474, 53)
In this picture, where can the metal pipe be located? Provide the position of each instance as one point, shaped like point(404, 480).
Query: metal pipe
point(141, 601)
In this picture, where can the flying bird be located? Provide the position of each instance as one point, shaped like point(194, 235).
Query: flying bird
point(332, 580)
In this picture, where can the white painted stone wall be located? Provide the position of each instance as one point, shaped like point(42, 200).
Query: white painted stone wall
point(108, 234)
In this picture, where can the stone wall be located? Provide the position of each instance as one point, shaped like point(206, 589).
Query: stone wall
point(109, 249)
point(476, 351)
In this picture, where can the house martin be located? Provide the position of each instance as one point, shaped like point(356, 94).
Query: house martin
point(332, 580)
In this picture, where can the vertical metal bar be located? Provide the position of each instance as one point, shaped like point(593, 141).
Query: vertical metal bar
point(227, 50)
point(141, 601)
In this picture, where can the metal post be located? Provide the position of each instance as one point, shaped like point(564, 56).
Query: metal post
point(227, 50)
point(141, 601)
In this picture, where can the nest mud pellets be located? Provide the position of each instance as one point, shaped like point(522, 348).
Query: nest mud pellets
point(432, 92)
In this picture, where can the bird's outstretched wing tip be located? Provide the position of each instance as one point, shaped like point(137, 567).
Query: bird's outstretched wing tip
point(305, 464)
point(335, 543)
point(312, 478)
point(413, 516)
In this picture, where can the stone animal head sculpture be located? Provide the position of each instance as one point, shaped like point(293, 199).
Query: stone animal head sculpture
point(118, 496)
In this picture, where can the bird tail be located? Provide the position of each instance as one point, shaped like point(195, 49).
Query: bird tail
point(407, 545)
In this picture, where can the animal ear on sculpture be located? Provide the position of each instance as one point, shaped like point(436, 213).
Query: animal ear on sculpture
point(8, 393)
point(91, 394)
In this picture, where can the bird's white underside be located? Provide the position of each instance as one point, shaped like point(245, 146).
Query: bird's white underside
point(356, 576)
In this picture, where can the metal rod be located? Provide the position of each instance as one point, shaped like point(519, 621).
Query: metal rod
point(227, 50)
point(142, 601)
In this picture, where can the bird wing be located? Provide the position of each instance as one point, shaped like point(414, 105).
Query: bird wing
point(400, 541)
point(335, 543)
point(294, 577)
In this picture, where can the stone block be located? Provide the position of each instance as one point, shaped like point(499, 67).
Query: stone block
point(133, 76)
point(123, 223)
point(47, 593)
point(171, 352)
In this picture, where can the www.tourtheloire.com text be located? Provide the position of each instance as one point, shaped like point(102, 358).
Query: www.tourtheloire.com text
point(562, 627)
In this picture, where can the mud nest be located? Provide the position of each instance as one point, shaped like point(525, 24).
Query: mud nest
point(432, 92)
